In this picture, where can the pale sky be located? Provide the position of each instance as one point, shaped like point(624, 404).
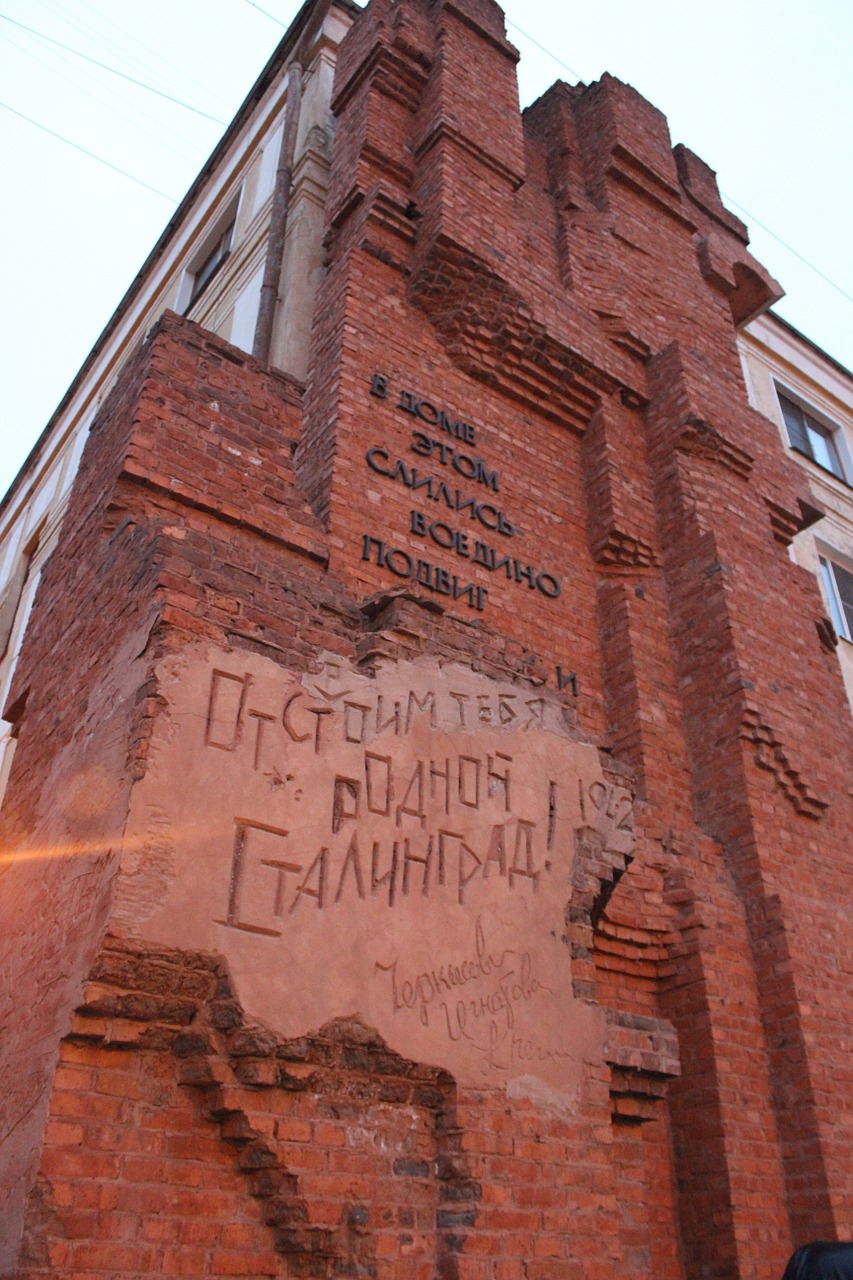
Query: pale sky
point(760, 89)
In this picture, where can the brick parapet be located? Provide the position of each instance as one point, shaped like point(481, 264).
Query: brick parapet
point(581, 324)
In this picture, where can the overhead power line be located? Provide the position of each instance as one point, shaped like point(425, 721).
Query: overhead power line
point(277, 21)
point(559, 61)
point(728, 198)
point(113, 71)
point(115, 111)
point(785, 245)
point(91, 154)
point(187, 106)
point(99, 34)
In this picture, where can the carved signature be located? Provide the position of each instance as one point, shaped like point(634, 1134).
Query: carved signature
point(476, 1000)
point(425, 989)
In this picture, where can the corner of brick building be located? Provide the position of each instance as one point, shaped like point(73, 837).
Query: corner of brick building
point(157, 535)
point(569, 285)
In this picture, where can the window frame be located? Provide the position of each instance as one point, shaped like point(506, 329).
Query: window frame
point(206, 262)
point(841, 611)
point(211, 264)
point(813, 423)
point(17, 602)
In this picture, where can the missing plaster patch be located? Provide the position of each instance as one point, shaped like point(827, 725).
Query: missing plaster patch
point(531, 1089)
point(147, 870)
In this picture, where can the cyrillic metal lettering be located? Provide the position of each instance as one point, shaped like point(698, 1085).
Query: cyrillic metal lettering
point(462, 463)
point(367, 541)
point(409, 564)
point(427, 412)
point(442, 534)
point(372, 455)
point(467, 590)
point(547, 585)
point(466, 466)
point(488, 478)
point(571, 679)
point(461, 430)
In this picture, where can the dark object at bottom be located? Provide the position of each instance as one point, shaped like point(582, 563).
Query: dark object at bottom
point(821, 1261)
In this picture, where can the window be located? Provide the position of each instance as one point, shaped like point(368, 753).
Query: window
point(208, 248)
point(838, 582)
point(210, 263)
point(14, 601)
point(15, 604)
point(10, 600)
point(811, 437)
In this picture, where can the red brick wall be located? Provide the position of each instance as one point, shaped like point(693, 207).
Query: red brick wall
point(597, 300)
point(182, 1141)
point(150, 555)
point(569, 287)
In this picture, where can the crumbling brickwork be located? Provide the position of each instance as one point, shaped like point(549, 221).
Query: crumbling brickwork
point(522, 525)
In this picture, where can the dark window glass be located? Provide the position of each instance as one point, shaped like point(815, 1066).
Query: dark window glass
point(810, 437)
point(214, 260)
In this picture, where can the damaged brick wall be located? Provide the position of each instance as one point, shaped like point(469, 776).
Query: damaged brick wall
point(147, 555)
point(524, 449)
point(177, 1133)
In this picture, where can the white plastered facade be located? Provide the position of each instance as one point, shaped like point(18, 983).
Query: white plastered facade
point(778, 359)
point(238, 185)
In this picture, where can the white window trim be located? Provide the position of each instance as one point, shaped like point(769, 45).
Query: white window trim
point(33, 556)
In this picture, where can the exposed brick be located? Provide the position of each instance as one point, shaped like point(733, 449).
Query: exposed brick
point(573, 287)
